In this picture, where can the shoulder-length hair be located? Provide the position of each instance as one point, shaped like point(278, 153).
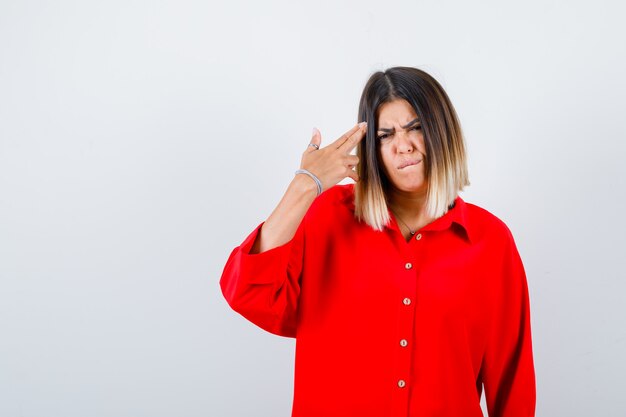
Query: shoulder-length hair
point(445, 163)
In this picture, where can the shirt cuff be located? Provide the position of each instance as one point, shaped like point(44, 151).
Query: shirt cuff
point(265, 267)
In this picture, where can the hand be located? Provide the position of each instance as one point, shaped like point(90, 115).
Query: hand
point(334, 162)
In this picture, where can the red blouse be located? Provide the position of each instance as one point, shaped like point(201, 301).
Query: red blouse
point(386, 327)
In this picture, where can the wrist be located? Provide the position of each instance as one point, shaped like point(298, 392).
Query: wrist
point(313, 177)
point(304, 185)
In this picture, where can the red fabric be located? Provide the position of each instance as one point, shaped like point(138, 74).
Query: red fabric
point(350, 295)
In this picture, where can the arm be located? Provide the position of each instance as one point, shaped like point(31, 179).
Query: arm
point(261, 279)
point(508, 367)
point(264, 287)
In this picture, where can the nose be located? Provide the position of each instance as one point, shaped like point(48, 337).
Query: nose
point(404, 144)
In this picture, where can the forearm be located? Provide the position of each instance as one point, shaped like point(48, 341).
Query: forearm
point(509, 373)
point(280, 227)
point(330, 164)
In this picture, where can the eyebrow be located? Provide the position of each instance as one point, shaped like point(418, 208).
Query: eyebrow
point(411, 123)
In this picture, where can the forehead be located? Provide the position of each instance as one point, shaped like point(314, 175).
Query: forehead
point(395, 113)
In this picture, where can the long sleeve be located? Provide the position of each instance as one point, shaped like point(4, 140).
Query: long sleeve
point(508, 367)
point(265, 287)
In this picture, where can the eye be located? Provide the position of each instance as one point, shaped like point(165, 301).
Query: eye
point(416, 127)
point(381, 137)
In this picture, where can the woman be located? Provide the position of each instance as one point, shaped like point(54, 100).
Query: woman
point(403, 298)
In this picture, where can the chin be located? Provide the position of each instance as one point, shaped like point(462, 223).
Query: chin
point(410, 187)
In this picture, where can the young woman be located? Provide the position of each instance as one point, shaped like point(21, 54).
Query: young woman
point(403, 298)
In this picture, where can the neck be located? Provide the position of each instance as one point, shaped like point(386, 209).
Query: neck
point(406, 202)
point(410, 207)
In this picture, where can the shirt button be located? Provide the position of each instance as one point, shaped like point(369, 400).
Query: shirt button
point(406, 301)
point(418, 236)
point(408, 265)
point(401, 383)
point(403, 342)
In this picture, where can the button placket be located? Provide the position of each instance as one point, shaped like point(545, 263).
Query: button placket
point(406, 324)
point(405, 331)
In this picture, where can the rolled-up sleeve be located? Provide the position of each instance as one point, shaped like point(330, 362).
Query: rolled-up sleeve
point(264, 287)
point(508, 367)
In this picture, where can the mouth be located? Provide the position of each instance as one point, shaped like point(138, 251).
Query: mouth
point(409, 163)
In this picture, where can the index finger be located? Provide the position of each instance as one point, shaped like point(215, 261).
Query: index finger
point(336, 144)
point(353, 140)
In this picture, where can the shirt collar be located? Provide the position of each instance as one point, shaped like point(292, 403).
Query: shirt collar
point(456, 217)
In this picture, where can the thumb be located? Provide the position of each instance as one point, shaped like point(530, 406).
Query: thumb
point(316, 139)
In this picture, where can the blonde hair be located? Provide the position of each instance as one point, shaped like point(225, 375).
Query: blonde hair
point(445, 162)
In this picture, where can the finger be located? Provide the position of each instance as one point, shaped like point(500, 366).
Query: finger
point(316, 139)
point(351, 142)
point(345, 136)
point(353, 174)
point(352, 160)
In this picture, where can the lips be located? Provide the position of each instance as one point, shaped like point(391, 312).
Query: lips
point(409, 163)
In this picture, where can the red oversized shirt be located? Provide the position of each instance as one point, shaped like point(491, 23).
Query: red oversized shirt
point(386, 327)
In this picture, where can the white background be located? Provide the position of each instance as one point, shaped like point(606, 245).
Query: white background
point(141, 141)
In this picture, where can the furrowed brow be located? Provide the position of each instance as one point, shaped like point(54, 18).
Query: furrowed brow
point(406, 126)
point(411, 123)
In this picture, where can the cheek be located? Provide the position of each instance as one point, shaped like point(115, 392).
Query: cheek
point(421, 145)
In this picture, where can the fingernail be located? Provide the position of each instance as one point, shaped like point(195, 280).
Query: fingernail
point(314, 131)
point(362, 124)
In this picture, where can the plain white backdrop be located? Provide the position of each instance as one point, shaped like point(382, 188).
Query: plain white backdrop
point(141, 141)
